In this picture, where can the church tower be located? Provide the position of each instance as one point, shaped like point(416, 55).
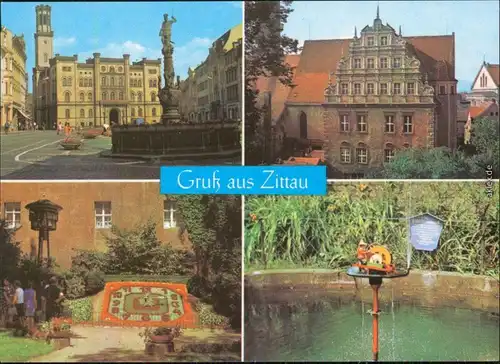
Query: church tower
point(44, 37)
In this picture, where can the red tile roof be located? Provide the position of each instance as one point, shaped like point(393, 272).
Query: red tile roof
point(475, 111)
point(302, 161)
point(320, 57)
point(494, 71)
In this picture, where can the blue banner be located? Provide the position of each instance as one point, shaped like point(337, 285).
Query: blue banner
point(243, 180)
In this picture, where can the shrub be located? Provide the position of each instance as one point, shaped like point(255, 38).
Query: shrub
point(75, 285)
point(94, 282)
point(208, 317)
point(81, 309)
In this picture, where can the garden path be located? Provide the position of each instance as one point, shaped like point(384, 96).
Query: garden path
point(111, 344)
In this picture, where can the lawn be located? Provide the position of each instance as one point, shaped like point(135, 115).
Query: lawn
point(17, 349)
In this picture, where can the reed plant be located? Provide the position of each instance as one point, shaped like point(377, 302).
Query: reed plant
point(323, 231)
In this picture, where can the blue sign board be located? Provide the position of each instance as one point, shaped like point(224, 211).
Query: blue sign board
point(243, 180)
point(425, 231)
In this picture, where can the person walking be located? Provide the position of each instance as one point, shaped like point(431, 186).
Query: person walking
point(54, 297)
point(30, 305)
point(7, 127)
point(59, 128)
point(8, 309)
point(19, 302)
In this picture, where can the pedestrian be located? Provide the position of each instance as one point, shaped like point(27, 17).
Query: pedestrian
point(19, 303)
point(8, 310)
point(30, 305)
point(54, 297)
point(34, 126)
point(59, 128)
point(7, 127)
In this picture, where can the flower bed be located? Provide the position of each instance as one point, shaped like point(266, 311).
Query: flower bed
point(147, 304)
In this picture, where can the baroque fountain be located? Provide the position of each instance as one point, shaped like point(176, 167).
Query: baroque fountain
point(174, 138)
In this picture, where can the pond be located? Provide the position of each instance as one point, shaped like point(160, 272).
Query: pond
point(334, 331)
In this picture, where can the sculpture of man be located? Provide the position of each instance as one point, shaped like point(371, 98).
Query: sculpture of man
point(166, 33)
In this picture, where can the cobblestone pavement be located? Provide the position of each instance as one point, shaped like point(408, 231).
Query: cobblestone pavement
point(37, 155)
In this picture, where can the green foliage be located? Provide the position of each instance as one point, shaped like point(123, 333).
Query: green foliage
point(94, 282)
point(75, 284)
point(10, 252)
point(145, 278)
point(81, 309)
point(208, 317)
point(486, 145)
point(265, 48)
point(214, 227)
point(324, 231)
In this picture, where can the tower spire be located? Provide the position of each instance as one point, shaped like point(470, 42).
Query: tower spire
point(378, 13)
point(355, 32)
point(400, 30)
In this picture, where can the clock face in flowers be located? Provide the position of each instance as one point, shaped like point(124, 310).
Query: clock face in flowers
point(158, 303)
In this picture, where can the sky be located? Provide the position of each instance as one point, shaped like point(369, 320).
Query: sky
point(475, 24)
point(114, 29)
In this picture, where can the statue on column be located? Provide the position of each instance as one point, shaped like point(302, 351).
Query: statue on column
point(168, 48)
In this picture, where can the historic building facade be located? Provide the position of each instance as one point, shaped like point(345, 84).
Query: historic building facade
point(100, 91)
point(14, 79)
point(486, 84)
point(212, 90)
point(362, 99)
point(88, 212)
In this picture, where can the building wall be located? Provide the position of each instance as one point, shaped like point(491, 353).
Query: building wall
point(13, 74)
point(131, 204)
point(315, 121)
point(484, 84)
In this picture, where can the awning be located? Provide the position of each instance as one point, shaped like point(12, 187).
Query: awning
point(22, 113)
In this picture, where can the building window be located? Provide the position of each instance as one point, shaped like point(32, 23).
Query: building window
point(357, 63)
point(67, 96)
point(91, 113)
point(132, 96)
point(139, 111)
point(397, 89)
point(70, 81)
point(103, 81)
point(370, 41)
point(383, 41)
point(362, 154)
point(67, 114)
point(153, 111)
point(383, 62)
point(383, 89)
point(45, 57)
point(89, 97)
point(361, 125)
point(344, 89)
point(357, 88)
point(153, 97)
point(344, 123)
point(139, 97)
point(112, 96)
point(370, 63)
point(345, 153)
point(80, 82)
point(12, 214)
point(397, 63)
point(120, 81)
point(410, 88)
point(64, 81)
point(133, 111)
point(102, 214)
point(408, 125)
point(82, 113)
point(104, 95)
point(389, 124)
point(85, 82)
point(112, 81)
point(82, 97)
point(169, 214)
point(370, 89)
point(303, 125)
point(90, 82)
point(389, 153)
point(120, 96)
point(452, 90)
point(442, 90)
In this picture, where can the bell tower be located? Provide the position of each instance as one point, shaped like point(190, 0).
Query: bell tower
point(44, 36)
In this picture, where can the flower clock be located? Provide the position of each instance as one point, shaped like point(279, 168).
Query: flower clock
point(147, 304)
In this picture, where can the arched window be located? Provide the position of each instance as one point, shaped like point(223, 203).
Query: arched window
point(153, 111)
point(139, 112)
point(90, 82)
point(112, 96)
point(139, 96)
point(64, 81)
point(112, 81)
point(153, 97)
point(133, 111)
point(70, 81)
point(104, 95)
point(80, 82)
point(91, 113)
point(85, 82)
point(120, 96)
point(103, 81)
point(67, 113)
point(89, 97)
point(132, 96)
point(120, 81)
point(82, 97)
point(67, 96)
point(82, 113)
point(139, 83)
point(345, 153)
point(303, 125)
point(362, 154)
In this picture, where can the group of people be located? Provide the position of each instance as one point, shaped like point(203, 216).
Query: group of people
point(67, 129)
point(26, 306)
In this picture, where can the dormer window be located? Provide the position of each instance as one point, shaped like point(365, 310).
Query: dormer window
point(357, 63)
point(383, 41)
point(370, 41)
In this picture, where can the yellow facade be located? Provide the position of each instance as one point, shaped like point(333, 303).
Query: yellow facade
point(14, 78)
point(212, 90)
point(94, 93)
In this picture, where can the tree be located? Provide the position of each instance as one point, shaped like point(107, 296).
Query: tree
point(484, 149)
point(10, 252)
point(265, 48)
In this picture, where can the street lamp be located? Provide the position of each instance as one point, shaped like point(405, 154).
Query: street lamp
point(43, 215)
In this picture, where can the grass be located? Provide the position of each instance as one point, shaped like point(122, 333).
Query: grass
point(15, 349)
point(323, 232)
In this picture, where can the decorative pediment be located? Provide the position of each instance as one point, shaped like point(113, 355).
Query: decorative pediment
point(399, 41)
point(412, 62)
